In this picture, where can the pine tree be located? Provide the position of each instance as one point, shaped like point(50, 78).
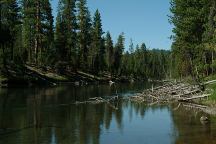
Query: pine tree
point(48, 39)
point(119, 49)
point(28, 29)
point(209, 37)
point(97, 47)
point(143, 61)
point(109, 51)
point(65, 36)
point(37, 29)
point(84, 34)
point(60, 39)
point(131, 60)
point(137, 54)
point(189, 19)
point(10, 25)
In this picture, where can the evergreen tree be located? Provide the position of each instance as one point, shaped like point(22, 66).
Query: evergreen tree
point(9, 27)
point(119, 49)
point(137, 54)
point(208, 53)
point(28, 29)
point(97, 47)
point(48, 38)
point(189, 20)
point(143, 62)
point(37, 29)
point(102, 55)
point(60, 39)
point(131, 60)
point(109, 51)
point(84, 34)
point(65, 36)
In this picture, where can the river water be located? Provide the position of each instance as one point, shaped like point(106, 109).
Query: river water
point(49, 116)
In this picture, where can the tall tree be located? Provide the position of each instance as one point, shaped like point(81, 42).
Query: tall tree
point(84, 33)
point(66, 27)
point(48, 31)
point(131, 60)
point(119, 49)
point(97, 47)
point(143, 61)
point(9, 27)
point(109, 51)
point(209, 43)
point(37, 29)
point(188, 18)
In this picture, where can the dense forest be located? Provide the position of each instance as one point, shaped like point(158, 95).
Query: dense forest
point(193, 49)
point(76, 41)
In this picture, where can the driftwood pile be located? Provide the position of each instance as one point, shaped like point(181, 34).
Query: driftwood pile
point(98, 100)
point(170, 92)
point(111, 101)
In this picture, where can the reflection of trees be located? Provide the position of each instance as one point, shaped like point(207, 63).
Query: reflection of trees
point(189, 128)
point(45, 119)
point(108, 116)
point(139, 108)
point(4, 100)
point(40, 117)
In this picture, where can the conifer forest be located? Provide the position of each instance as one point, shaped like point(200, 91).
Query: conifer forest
point(74, 41)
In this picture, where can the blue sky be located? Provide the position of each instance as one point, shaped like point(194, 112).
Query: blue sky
point(142, 20)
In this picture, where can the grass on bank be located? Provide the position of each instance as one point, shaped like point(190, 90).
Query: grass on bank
point(211, 88)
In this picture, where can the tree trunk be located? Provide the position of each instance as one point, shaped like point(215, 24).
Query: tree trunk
point(206, 64)
point(36, 48)
point(3, 53)
point(12, 50)
point(212, 62)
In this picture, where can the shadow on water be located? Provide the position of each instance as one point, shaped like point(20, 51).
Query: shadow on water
point(38, 116)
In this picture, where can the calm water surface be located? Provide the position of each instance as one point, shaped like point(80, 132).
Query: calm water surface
point(59, 121)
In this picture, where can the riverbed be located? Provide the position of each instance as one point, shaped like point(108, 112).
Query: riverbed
point(50, 115)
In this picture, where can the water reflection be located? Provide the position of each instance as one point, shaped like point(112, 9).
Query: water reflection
point(47, 116)
point(191, 130)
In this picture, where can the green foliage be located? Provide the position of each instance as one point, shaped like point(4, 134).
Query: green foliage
point(65, 35)
point(193, 49)
point(97, 45)
point(147, 64)
point(37, 30)
point(9, 29)
point(118, 53)
point(84, 34)
point(28, 37)
point(109, 52)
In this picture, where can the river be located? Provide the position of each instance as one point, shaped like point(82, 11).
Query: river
point(49, 115)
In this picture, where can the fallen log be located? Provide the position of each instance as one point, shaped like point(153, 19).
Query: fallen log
point(187, 93)
point(203, 108)
point(210, 82)
point(194, 97)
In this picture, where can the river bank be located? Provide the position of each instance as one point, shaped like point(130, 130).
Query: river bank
point(167, 91)
point(33, 76)
point(211, 101)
